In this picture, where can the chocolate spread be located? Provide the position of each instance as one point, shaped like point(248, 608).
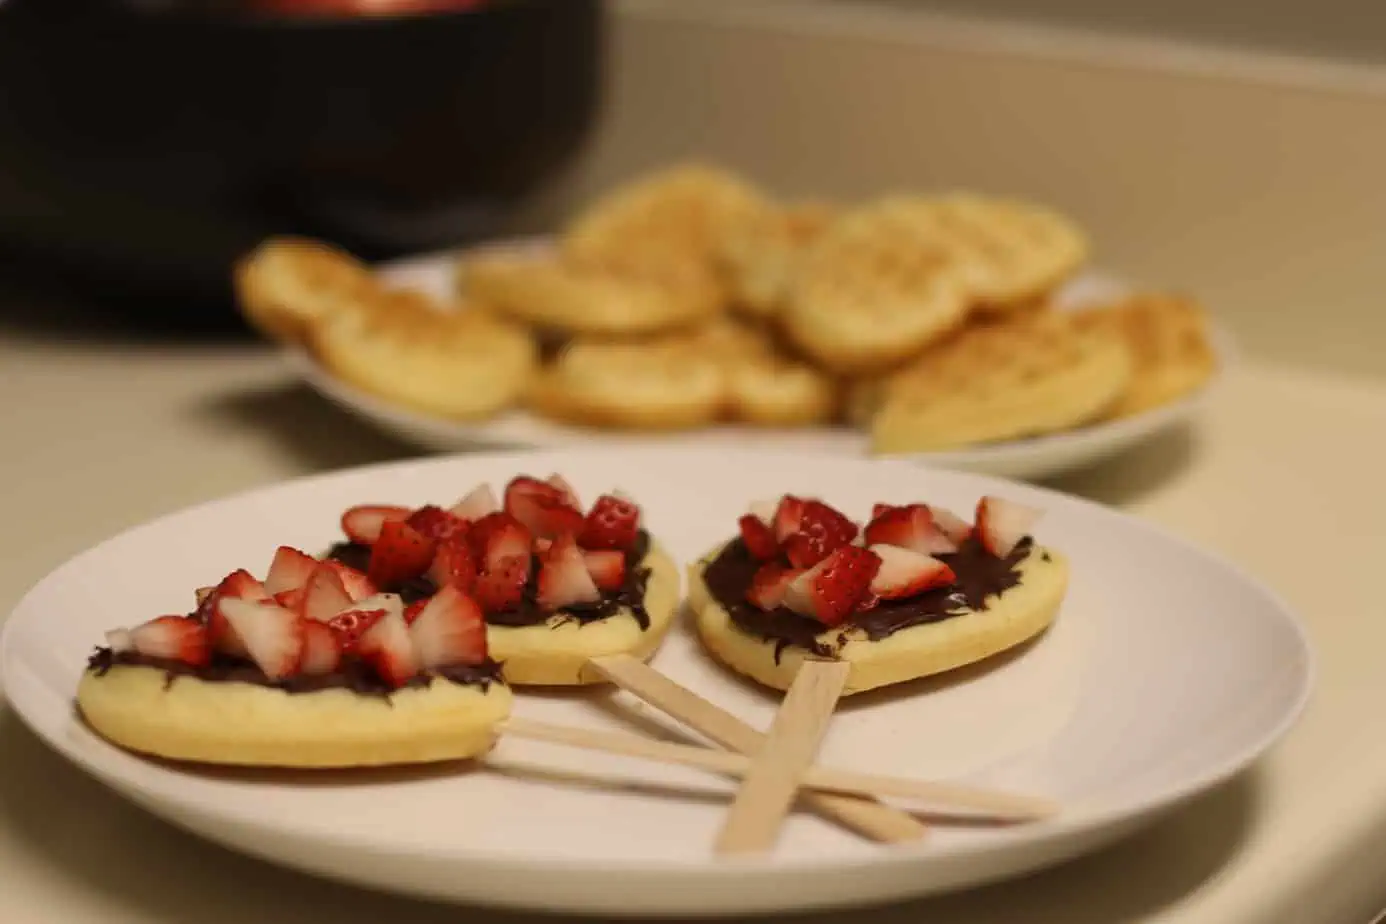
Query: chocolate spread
point(353, 674)
point(631, 594)
point(979, 575)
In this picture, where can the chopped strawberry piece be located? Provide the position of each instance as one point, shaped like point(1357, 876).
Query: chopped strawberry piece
point(480, 501)
point(607, 567)
point(524, 485)
point(569, 493)
point(453, 564)
point(877, 510)
point(238, 585)
point(821, 531)
point(497, 538)
point(292, 599)
point(202, 593)
point(563, 577)
point(906, 573)
point(322, 650)
point(1001, 524)
point(953, 526)
point(909, 527)
point(273, 636)
point(833, 588)
point(412, 611)
point(545, 516)
point(542, 545)
point(175, 638)
point(787, 515)
point(352, 624)
point(389, 650)
point(763, 510)
point(324, 596)
point(758, 538)
point(363, 522)
point(289, 570)
point(612, 523)
point(437, 524)
point(449, 629)
point(358, 586)
point(502, 586)
point(399, 554)
point(770, 584)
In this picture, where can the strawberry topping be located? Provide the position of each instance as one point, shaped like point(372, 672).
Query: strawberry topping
point(349, 626)
point(569, 493)
point(448, 630)
point(358, 586)
point(502, 586)
point(436, 524)
point(238, 585)
point(758, 538)
point(821, 530)
point(322, 651)
point(453, 564)
point(289, 570)
point(498, 537)
point(389, 649)
point(174, 638)
point(607, 568)
point(479, 502)
point(1001, 524)
point(399, 554)
point(905, 573)
point(909, 527)
point(833, 588)
point(787, 516)
point(770, 584)
point(363, 522)
point(563, 577)
point(612, 523)
point(273, 636)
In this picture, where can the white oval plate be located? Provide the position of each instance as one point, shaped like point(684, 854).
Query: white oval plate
point(1031, 458)
point(1166, 672)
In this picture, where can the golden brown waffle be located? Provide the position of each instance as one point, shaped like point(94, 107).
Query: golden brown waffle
point(873, 290)
point(1010, 379)
point(760, 252)
point(287, 283)
point(637, 293)
point(400, 346)
point(1168, 338)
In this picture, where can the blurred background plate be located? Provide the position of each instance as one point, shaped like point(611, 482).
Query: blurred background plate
point(1033, 458)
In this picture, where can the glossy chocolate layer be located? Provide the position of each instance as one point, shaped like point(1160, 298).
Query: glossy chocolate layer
point(979, 576)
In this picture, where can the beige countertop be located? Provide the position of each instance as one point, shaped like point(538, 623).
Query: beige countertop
point(102, 435)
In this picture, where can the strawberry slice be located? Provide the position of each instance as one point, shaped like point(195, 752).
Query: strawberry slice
point(433, 522)
point(174, 638)
point(612, 523)
point(905, 572)
point(238, 585)
point(363, 522)
point(524, 485)
point(953, 526)
point(448, 630)
point(607, 568)
point(498, 537)
point(289, 570)
point(390, 603)
point(357, 585)
point(909, 527)
point(545, 516)
point(821, 531)
point(292, 599)
point(563, 577)
point(120, 640)
point(758, 538)
point(480, 501)
point(453, 564)
point(389, 650)
point(273, 636)
point(787, 516)
point(324, 596)
point(502, 586)
point(833, 588)
point(322, 650)
point(770, 584)
point(569, 493)
point(399, 554)
point(763, 510)
point(412, 611)
point(351, 625)
point(1001, 524)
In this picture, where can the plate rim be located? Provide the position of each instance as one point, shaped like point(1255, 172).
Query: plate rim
point(1082, 817)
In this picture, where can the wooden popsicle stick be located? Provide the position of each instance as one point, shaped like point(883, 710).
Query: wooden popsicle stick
point(768, 789)
point(945, 797)
point(865, 816)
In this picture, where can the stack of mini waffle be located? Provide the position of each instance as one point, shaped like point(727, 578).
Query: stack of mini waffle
point(689, 297)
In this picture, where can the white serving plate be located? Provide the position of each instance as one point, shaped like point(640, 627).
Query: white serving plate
point(1031, 458)
point(1166, 672)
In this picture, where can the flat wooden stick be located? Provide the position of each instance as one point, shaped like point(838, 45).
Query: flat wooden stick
point(768, 789)
point(865, 816)
point(977, 803)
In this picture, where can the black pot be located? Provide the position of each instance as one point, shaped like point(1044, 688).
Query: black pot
point(146, 145)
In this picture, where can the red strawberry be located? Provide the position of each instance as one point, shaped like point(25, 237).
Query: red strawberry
point(448, 630)
point(1001, 524)
point(357, 585)
point(399, 554)
point(563, 577)
point(545, 516)
point(390, 603)
point(453, 564)
point(499, 537)
point(763, 510)
point(352, 624)
point(242, 584)
point(787, 515)
point(238, 585)
point(770, 584)
point(522, 485)
point(570, 496)
point(905, 573)
point(821, 530)
point(909, 527)
point(176, 638)
point(322, 650)
point(607, 567)
point(953, 526)
point(202, 593)
point(612, 523)
point(758, 538)
point(289, 570)
point(412, 611)
point(389, 650)
point(362, 523)
point(435, 523)
point(480, 501)
point(833, 588)
point(273, 636)
point(292, 599)
point(502, 586)
point(878, 509)
point(324, 596)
